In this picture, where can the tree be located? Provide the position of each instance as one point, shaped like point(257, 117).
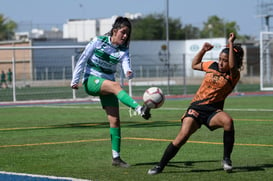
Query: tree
point(191, 32)
point(150, 27)
point(175, 30)
point(217, 27)
point(7, 28)
point(153, 27)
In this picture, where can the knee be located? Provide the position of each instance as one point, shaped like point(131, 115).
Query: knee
point(114, 121)
point(113, 83)
point(116, 86)
point(229, 126)
point(111, 87)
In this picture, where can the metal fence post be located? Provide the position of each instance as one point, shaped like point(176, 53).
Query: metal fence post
point(13, 76)
point(73, 66)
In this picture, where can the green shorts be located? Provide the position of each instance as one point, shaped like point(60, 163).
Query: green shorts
point(92, 87)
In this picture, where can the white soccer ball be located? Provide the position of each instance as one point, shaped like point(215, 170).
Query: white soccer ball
point(153, 97)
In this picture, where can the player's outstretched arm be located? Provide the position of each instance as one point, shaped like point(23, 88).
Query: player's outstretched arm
point(231, 59)
point(196, 62)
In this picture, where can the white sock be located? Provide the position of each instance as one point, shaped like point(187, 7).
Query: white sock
point(115, 154)
point(138, 110)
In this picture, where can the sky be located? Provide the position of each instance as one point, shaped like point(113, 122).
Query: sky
point(33, 13)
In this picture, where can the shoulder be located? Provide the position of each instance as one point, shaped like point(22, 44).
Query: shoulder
point(96, 41)
point(102, 38)
point(209, 65)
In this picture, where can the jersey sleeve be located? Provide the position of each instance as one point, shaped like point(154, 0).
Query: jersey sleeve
point(81, 63)
point(205, 65)
point(126, 63)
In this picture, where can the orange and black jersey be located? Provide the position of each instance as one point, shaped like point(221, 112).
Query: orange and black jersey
point(214, 89)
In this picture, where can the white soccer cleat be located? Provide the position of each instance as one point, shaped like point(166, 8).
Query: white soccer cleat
point(144, 111)
point(227, 165)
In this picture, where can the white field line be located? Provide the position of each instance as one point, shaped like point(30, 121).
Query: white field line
point(36, 177)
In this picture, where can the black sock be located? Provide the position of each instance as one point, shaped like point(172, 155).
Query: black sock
point(169, 153)
point(228, 139)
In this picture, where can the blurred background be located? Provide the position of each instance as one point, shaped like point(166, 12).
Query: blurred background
point(40, 42)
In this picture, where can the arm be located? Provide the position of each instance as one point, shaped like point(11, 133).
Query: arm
point(126, 66)
point(231, 59)
point(88, 51)
point(197, 60)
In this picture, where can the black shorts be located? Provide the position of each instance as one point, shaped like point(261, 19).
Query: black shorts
point(201, 116)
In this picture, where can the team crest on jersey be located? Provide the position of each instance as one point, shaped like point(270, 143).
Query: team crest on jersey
point(97, 81)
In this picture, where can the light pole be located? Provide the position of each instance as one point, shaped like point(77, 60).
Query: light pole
point(167, 44)
point(268, 62)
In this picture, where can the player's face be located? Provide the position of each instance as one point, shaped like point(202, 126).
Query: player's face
point(120, 35)
point(223, 62)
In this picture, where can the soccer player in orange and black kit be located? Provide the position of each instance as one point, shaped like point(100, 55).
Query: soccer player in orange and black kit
point(207, 105)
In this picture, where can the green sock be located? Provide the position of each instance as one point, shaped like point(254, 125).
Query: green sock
point(127, 100)
point(115, 139)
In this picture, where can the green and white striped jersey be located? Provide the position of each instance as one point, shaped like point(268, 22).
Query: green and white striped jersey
point(100, 58)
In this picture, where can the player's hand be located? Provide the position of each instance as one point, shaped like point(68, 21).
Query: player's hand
point(207, 46)
point(231, 38)
point(75, 86)
point(130, 75)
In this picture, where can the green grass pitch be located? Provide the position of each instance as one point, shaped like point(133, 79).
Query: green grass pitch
point(72, 140)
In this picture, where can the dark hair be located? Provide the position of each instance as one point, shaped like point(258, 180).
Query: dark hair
point(238, 53)
point(120, 22)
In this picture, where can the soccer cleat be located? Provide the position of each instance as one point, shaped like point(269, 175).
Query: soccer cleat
point(227, 165)
point(118, 162)
point(156, 170)
point(145, 112)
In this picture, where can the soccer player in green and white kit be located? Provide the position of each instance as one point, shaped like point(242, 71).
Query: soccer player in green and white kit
point(98, 63)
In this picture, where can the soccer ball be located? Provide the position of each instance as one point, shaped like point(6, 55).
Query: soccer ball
point(153, 97)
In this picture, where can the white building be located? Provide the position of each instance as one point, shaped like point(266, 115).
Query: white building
point(82, 30)
point(54, 33)
point(85, 29)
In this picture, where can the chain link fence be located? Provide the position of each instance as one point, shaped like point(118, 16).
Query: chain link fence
point(44, 73)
